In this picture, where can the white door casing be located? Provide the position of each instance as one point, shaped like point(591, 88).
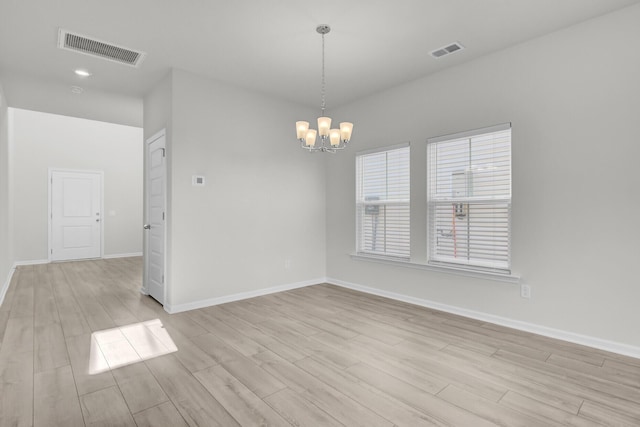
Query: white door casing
point(75, 214)
point(155, 231)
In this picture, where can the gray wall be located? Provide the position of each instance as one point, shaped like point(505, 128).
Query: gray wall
point(574, 100)
point(264, 199)
point(43, 140)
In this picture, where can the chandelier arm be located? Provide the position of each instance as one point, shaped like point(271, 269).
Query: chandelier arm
point(313, 149)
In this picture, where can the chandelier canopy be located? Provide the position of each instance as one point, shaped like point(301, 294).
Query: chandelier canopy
point(331, 140)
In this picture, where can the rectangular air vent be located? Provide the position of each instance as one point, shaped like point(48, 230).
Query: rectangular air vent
point(446, 50)
point(98, 48)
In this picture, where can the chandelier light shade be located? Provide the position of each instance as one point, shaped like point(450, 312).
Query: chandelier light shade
point(330, 139)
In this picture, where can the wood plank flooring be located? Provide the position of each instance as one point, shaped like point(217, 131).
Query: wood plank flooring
point(79, 345)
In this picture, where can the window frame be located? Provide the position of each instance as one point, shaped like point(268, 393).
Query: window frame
point(473, 263)
point(361, 205)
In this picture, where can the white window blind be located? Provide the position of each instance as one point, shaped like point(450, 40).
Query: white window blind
point(469, 198)
point(382, 202)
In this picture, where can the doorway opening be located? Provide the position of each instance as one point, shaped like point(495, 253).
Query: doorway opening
point(155, 208)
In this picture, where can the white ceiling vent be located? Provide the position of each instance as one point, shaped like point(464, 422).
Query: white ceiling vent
point(83, 44)
point(446, 50)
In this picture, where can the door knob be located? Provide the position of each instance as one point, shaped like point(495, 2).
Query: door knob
point(146, 226)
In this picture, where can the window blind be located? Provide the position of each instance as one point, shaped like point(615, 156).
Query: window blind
point(382, 202)
point(469, 199)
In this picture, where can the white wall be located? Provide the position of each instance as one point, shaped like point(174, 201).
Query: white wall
point(157, 107)
point(28, 93)
point(43, 140)
point(574, 100)
point(264, 199)
point(6, 238)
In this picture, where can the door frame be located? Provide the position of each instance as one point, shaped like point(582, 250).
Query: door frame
point(52, 170)
point(145, 279)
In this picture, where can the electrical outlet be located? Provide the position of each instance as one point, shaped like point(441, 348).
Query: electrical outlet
point(287, 263)
point(525, 291)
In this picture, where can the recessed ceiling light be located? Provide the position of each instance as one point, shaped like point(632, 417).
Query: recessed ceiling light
point(82, 73)
point(77, 90)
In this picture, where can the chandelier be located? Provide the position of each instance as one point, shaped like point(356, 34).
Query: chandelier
point(331, 140)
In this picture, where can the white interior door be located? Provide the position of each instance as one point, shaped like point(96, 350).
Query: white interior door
point(76, 215)
point(155, 182)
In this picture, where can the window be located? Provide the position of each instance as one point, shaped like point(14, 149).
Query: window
point(382, 202)
point(469, 199)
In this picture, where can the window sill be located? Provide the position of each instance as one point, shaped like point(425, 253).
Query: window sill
point(487, 275)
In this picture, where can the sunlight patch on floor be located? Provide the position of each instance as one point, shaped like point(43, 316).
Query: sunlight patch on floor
point(117, 347)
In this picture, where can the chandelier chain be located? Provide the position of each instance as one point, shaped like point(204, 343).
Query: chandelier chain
point(323, 106)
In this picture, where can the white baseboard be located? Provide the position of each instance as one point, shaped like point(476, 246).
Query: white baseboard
point(31, 262)
point(614, 347)
point(46, 261)
point(5, 287)
point(239, 296)
point(130, 255)
point(606, 345)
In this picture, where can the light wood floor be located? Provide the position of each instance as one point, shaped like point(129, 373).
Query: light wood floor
point(78, 340)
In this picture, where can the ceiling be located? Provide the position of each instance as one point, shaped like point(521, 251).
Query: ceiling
point(272, 46)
